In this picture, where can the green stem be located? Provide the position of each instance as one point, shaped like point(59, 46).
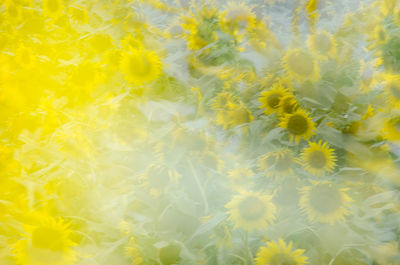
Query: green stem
point(203, 194)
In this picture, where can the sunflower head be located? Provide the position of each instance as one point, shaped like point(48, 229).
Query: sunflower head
point(133, 251)
point(158, 178)
point(271, 98)
point(251, 210)
point(322, 44)
point(278, 253)
point(236, 17)
point(318, 158)
point(301, 65)
point(391, 128)
point(52, 8)
point(223, 100)
point(46, 243)
point(277, 164)
point(287, 104)
point(324, 202)
point(392, 89)
point(140, 66)
point(298, 124)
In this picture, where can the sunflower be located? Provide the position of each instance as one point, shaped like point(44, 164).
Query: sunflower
point(322, 44)
point(287, 104)
point(277, 164)
point(251, 210)
point(133, 252)
point(270, 99)
point(278, 253)
point(391, 129)
point(236, 17)
point(52, 8)
point(234, 115)
point(392, 88)
point(324, 202)
point(299, 125)
point(223, 100)
point(240, 176)
point(157, 179)
point(379, 35)
point(47, 243)
point(140, 66)
point(318, 158)
point(301, 65)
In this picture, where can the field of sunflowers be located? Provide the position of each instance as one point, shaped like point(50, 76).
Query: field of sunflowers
point(237, 132)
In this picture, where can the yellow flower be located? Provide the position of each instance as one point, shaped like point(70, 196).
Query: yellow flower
point(251, 210)
point(158, 178)
point(52, 8)
point(287, 104)
point(322, 44)
point(270, 99)
point(223, 100)
point(318, 158)
point(278, 253)
point(235, 115)
point(201, 27)
point(47, 243)
point(133, 252)
point(299, 125)
point(392, 88)
point(324, 202)
point(301, 65)
point(140, 66)
point(236, 17)
point(277, 164)
point(391, 129)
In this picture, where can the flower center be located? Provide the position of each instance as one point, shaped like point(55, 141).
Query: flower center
point(47, 238)
point(325, 199)
point(251, 209)
point(297, 124)
point(317, 159)
point(281, 259)
point(273, 100)
point(323, 43)
point(283, 162)
point(301, 63)
point(53, 5)
point(139, 65)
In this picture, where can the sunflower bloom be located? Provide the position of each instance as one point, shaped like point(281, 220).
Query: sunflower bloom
point(270, 99)
point(251, 210)
point(318, 158)
point(140, 66)
point(277, 253)
point(47, 243)
point(324, 202)
point(301, 65)
point(299, 125)
point(277, 164)
point(322, 44)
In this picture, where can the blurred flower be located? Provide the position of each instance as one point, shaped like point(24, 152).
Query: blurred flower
point(324, 202)
point(318, 158)
point(277, 164)
point(270, 99)
point(251, 210)
point(301, 65)
point(140, 66)
point(280, 253)
point(299, 125)
point(46, 243)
